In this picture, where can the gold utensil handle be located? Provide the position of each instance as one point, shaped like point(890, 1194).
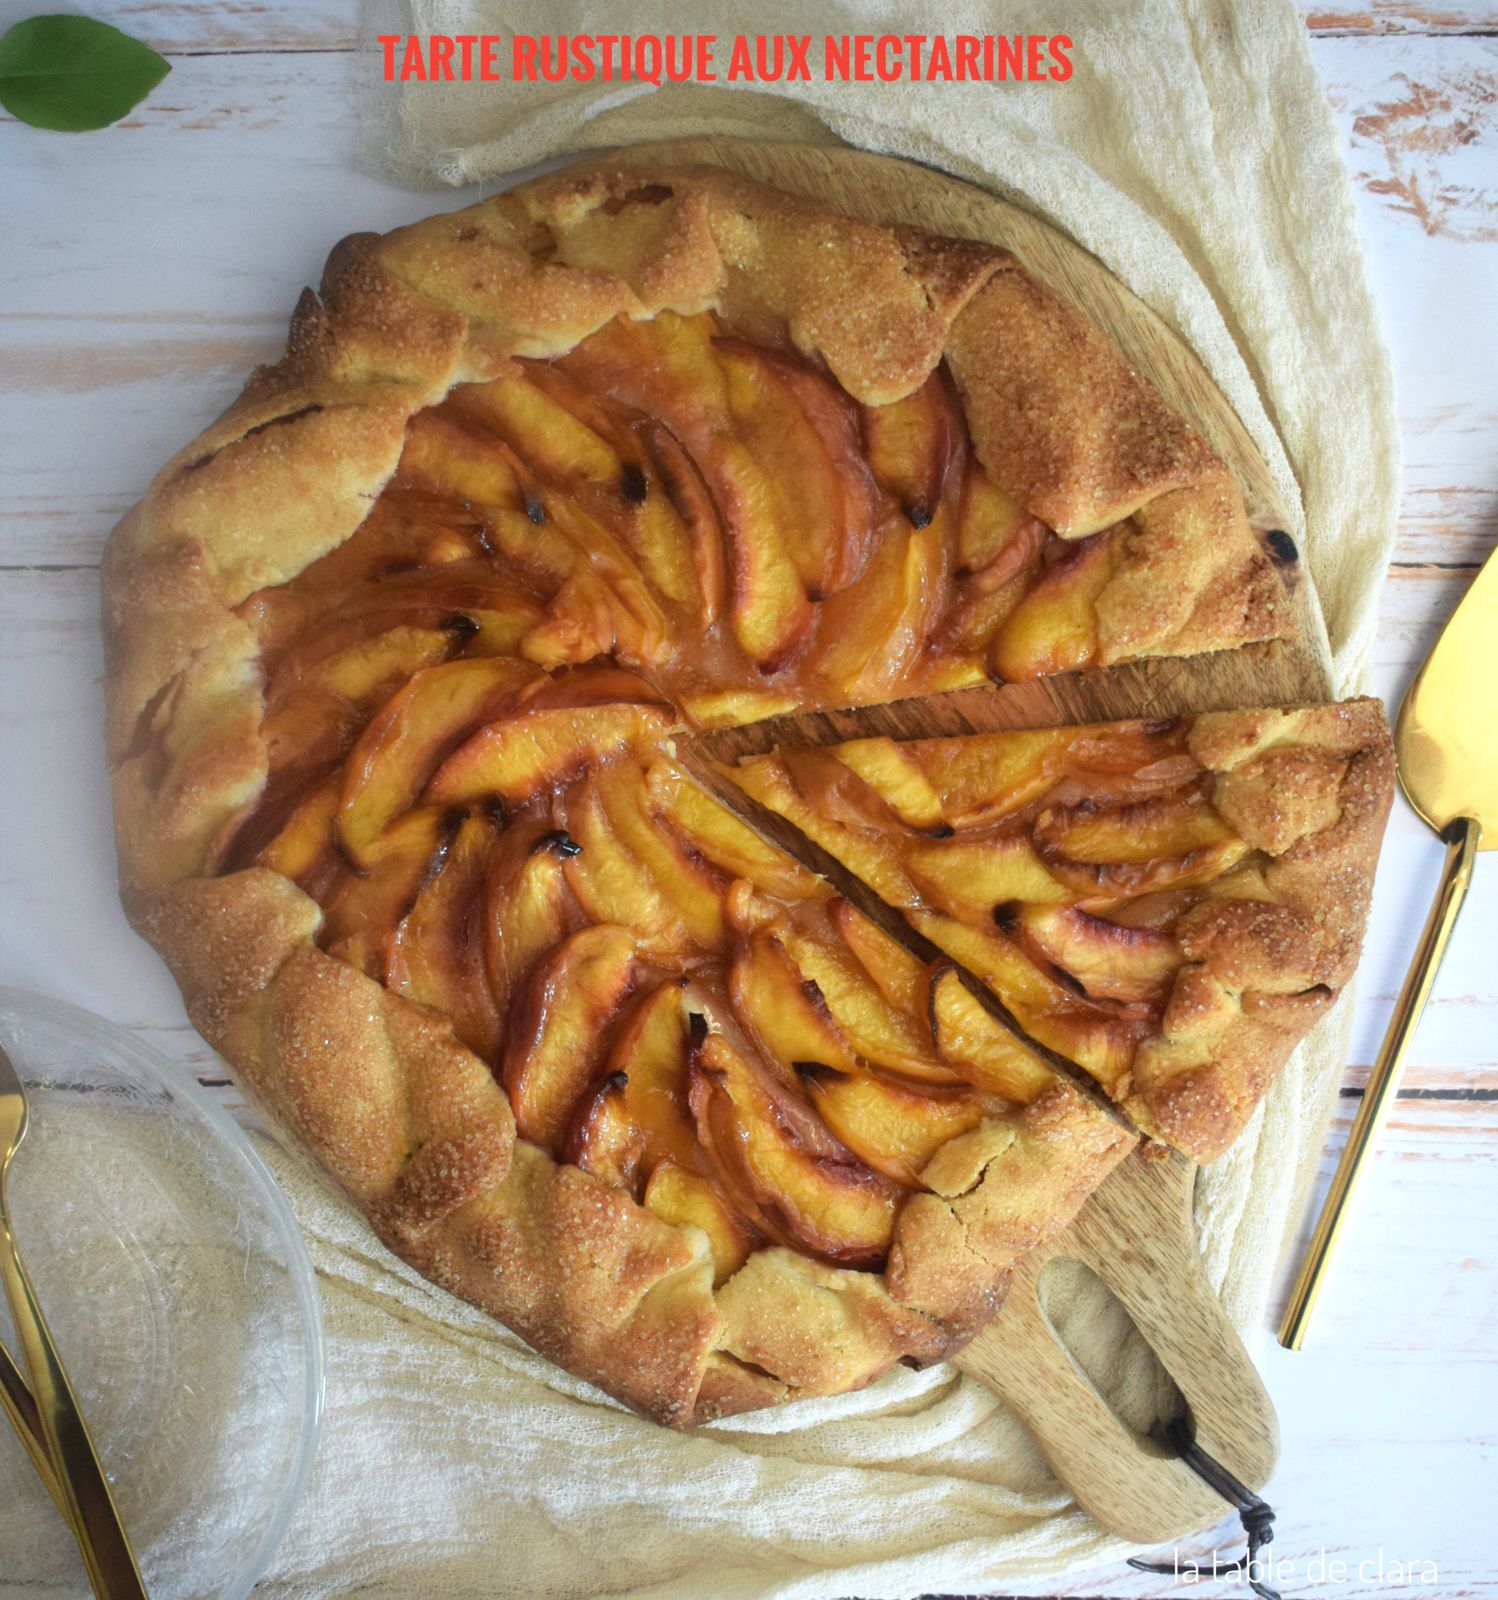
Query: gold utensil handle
point(1462, 837)
point(91, 1510)
point(19, 1406)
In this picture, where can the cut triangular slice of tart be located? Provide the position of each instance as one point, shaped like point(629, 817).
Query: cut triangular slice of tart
point(1169, 905)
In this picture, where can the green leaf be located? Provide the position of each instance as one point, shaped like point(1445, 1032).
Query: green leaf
point(72, 73)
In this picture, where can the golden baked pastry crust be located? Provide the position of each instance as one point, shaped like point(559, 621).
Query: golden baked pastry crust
point(411, 1123)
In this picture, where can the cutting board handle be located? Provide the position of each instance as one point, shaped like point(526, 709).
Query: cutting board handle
point(1137, 1234)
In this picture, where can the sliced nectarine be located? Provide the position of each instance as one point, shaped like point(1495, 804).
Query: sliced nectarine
point(442, 455)
point(530, 904)
point(782, 1011)
point(597, 684)
point(1100, 1036)
point(682, 878)
point(361, 909)
point(309, 731)
point(1054, 627)
point(968, 876)
point(885, 766)
point(643, 629)
point(650, 1054)
point(1099, 887)
point(873, 1028)
point(1110, 962)
point(670, 369)
point(559, 1027)
point(894, 1128)
point(678, 1195)
point(683, 484)
point(987, 522)
point(817, 800)
point(605, 1139)
point(872, 630)
point(987, 777)
point(804, 487)
point(900, 976)
point(768, 606)
point(1162, 825)
point(482, 612)
point(402, 746)
point(630, 496)
point(987, 596)
point(910, 445)
point(437, 955)
point(302, 849)
point(782, 1166)
point(552, 442)
point(979, 1046)
point(731, 708)
point(362, 671)
point(609, 881)
point(519, 756)
point(721, 838)
point(600, 598)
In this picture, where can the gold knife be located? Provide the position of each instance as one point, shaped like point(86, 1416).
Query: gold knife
point(1446, 750)
point(88, 1504)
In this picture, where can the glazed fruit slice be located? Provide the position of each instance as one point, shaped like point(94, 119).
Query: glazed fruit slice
point(528, 751)
point(786, 1013)
point(437, 954)
point(411, 736)
point(529, 905)
point(680, 1195)
point(559, 1024)
point(363, 906)
point(1075, 872)
point(893, 1126)
point(782, 1164)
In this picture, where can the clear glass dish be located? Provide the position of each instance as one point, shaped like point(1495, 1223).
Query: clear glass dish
point(182, 1300)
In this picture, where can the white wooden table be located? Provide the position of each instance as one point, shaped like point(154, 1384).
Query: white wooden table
point(145, 268)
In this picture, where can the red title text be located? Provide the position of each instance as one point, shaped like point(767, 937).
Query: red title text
point(703, 58)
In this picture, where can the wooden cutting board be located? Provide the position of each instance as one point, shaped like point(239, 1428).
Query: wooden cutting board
point(1137, 1232)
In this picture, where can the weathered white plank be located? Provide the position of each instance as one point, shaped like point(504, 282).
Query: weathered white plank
point(1414, 605)
point(1419, 127)
point(177, 27)
point(133, 313)
point(1458, 1039)
point(1365, 18)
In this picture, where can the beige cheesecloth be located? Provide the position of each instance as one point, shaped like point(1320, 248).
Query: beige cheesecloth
point(1193, 152)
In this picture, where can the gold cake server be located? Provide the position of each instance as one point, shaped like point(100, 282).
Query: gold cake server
point(1446, 750)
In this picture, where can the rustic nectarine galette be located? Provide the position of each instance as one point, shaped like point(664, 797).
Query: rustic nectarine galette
point(407, 656)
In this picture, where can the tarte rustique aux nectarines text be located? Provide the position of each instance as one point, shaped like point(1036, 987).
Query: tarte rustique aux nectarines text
point(704, 58)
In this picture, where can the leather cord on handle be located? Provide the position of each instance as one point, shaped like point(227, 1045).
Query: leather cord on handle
point(1256, 1514)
